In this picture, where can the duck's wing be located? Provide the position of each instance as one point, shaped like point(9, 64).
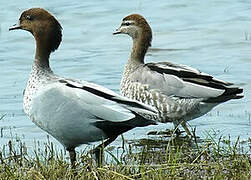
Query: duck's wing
point(100, 103)
point(184, 81)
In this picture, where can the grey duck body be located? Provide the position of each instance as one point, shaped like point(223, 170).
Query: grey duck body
point(179, 92)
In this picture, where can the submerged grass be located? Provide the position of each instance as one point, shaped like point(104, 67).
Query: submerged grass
point(152, 158)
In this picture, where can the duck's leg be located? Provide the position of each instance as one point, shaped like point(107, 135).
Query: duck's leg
point(72, 154)
point(177, 131)
point(184, 125)
point(99, 150)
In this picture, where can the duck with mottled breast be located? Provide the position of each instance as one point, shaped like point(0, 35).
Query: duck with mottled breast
point(72, 111)
point(179, 92)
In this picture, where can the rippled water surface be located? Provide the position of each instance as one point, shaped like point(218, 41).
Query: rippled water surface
point(213, 36)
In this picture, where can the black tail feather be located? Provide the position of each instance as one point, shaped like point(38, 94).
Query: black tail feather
point(230, 93)
point(116, 128)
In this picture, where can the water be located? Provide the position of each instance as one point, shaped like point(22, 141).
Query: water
point(214, 36)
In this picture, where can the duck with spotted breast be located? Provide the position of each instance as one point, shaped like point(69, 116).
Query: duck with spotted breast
point(179, 92)
point(74, 112)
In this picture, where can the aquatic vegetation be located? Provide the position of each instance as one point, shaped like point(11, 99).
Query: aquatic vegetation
point(152, 158)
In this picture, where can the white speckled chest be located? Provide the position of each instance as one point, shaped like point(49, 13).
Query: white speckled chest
point(38, 77)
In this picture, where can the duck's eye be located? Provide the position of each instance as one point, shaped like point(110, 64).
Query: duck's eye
point(126, 24)
point(28, 17)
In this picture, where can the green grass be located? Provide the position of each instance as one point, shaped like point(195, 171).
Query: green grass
point(158, 158)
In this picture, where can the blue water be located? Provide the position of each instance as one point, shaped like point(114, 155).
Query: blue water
point(213, 36)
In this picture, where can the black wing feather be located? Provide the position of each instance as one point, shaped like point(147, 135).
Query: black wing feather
point(199, 79)
point(105, 95)
point(189, 76)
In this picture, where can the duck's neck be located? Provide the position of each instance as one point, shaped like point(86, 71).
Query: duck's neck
point(42, 52)
point(139, 49)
